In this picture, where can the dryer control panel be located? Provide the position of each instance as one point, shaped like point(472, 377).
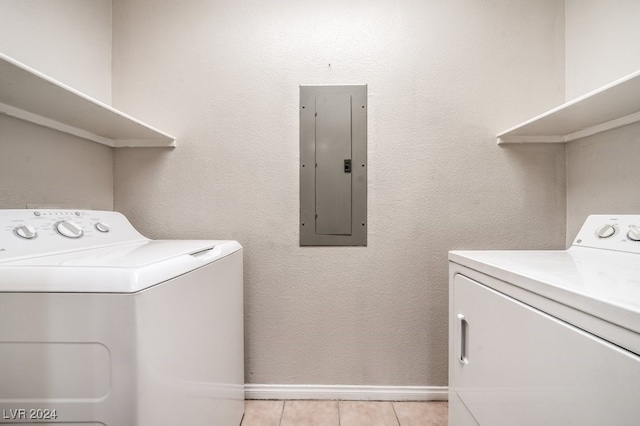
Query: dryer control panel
point(30, 233)
point(610, 232)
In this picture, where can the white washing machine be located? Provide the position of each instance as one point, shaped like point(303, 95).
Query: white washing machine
point(102, 326)
point(548, 337)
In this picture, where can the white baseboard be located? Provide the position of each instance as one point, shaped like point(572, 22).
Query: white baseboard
point(347, 393)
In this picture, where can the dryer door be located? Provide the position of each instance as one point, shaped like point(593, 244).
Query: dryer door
point(515, 365)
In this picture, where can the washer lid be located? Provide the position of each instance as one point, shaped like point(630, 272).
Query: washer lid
point(121, 268)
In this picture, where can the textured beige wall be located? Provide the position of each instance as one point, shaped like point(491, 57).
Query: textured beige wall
point(70, 40)
point(444, 77)
point(603, 176)
point(603, 44)
point(42, 167)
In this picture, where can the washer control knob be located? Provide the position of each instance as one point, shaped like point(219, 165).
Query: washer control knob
point(102, 227)
point(27, 232)
point(69, 229)
point(605, 231)
point(634, 233)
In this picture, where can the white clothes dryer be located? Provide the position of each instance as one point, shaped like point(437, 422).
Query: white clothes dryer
point(100, 325)
point(548, 337)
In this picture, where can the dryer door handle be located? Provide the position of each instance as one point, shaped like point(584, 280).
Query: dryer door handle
point(464, 329)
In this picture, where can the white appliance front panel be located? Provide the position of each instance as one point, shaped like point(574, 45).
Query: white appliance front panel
point(172, 354)
point(71, 354)
point(512, 364)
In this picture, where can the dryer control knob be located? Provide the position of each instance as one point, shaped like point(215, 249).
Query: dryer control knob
point(27, 232)
point(69, 229)
point(102, 227)
point(634, 233)
point(605, 231)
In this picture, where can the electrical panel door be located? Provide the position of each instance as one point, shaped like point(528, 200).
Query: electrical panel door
point(333, 165)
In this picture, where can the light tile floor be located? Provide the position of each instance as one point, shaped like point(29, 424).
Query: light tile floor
point(344, 413)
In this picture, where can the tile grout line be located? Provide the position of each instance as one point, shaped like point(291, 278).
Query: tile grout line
point(282, 413)
point(339, 420)
point(395, 413)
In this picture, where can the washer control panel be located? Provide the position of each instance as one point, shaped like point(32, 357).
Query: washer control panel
point(26, 233)
point(610, 232)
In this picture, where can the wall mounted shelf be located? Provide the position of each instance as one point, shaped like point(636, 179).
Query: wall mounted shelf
point(29, 95)
point(614, 105)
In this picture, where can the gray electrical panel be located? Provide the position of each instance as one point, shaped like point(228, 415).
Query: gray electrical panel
point(333, 165)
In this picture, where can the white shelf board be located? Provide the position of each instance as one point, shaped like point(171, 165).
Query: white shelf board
point(29, 95)
point(612, 106)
